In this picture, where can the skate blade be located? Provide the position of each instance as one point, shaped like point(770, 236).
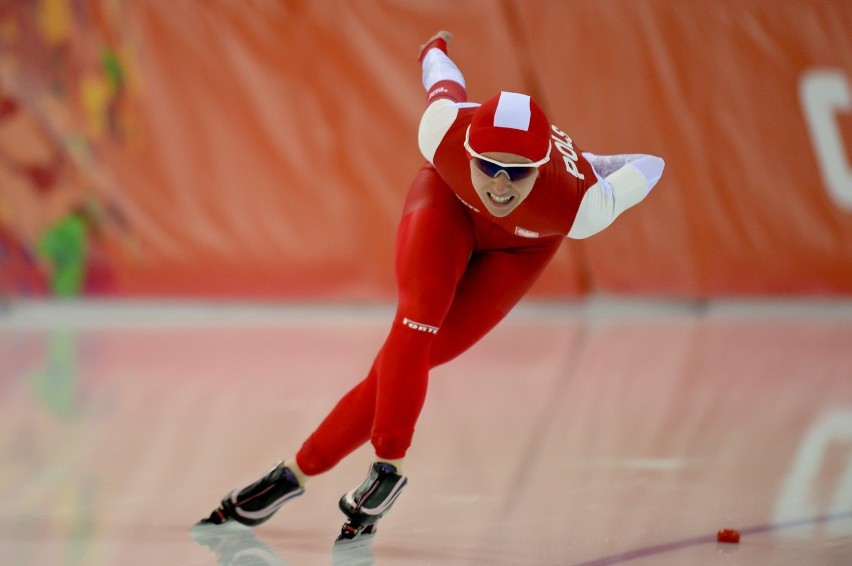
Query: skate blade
point(217, 517)
point(353, 535)
point(227, 528)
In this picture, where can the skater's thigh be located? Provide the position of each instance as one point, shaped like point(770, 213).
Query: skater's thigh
point(492, 285)
point(434, 243)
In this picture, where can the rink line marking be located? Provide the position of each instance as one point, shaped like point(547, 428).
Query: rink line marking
point(685, 543)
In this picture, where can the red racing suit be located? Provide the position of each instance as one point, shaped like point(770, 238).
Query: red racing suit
point(459, 270)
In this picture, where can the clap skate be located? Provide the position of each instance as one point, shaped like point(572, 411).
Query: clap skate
point(256, 503)
point(369, 502)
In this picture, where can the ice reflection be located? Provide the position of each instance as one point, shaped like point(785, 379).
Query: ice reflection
point(234, 544)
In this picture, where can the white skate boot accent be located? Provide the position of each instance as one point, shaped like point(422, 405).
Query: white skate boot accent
point(265, 511)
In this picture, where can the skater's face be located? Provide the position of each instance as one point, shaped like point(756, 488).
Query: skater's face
point(501, 188)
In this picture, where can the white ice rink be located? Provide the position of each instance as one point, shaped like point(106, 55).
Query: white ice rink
point(594, 433)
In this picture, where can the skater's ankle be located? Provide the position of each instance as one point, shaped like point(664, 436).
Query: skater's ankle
point(301, 476)
point(395, 462)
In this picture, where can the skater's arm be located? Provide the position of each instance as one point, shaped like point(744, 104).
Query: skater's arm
point(442, 79)
point(622, 181)
point(445, 93)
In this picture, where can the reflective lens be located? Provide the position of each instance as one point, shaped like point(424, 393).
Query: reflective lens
point(515, 173)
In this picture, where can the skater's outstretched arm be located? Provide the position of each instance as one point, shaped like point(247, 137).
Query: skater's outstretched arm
point(622, 181)
point(445, 93)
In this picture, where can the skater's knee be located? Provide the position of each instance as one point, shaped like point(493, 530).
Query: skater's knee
point(391, 447)
point(313, 463)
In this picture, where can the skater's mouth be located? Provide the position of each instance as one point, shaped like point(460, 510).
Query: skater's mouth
point(500, 201)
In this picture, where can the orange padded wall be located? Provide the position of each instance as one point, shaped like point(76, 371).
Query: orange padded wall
point(267, 146)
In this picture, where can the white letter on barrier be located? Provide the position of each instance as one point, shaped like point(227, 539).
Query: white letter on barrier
point(823, 92)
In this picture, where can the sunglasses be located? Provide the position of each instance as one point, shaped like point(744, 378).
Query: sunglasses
point(514, 171)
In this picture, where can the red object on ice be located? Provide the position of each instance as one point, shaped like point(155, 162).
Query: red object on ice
point(728, 535)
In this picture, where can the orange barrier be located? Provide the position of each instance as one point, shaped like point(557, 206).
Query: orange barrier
point(264, 149)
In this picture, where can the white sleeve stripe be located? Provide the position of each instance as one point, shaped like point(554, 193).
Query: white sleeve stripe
point(434, 124)
point(596, 212)
point(609, 197)
point(438, 67)
point(651, 167)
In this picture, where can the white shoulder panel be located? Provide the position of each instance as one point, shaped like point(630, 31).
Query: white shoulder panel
point(436, 120)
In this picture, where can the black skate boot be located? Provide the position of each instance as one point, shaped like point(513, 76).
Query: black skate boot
point(368, 502)
point(257, 502)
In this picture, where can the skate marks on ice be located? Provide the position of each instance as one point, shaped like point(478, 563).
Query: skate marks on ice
point(843, 547)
